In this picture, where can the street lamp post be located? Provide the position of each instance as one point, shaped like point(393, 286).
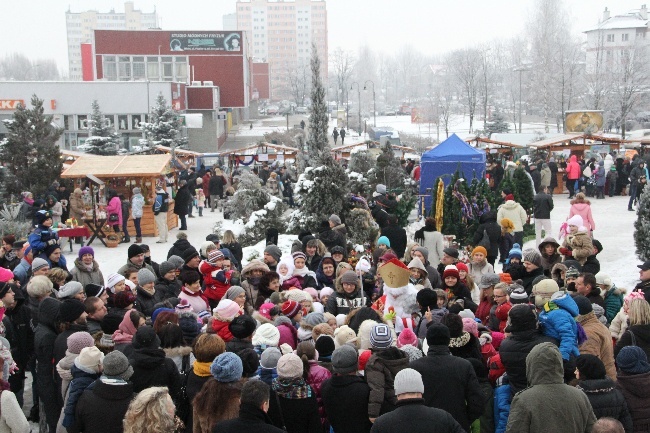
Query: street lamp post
point(374, 101)
point(359, 97)
point(347, 109)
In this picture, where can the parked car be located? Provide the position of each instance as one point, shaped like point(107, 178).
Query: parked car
point(301, 110)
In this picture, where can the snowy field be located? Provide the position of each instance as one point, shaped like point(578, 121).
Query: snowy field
point(614, 229)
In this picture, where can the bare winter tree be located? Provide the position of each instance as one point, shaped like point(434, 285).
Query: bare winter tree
point(298, 82)
point(597, 83)
point(342, 66)
point(465, 64)
point(630, 80)
point(570, 73)
point(20, 68)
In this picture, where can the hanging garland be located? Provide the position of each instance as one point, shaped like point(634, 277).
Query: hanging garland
point(241, 160)
point(465, 206)
point(440, 204)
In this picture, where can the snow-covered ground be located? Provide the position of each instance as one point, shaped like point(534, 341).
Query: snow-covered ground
point(614, 229)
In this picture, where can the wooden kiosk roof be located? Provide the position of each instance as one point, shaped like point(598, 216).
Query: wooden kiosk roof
point(119, 166)
point(565, 139)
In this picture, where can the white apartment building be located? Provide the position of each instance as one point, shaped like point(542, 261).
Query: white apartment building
point(281, 33)
point(614, 36)
point(80, 28)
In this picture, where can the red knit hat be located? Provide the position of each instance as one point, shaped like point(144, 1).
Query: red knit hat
point(510, 197)
point(462, 267)
point(363, 359)
point(290, 308)
point(451, 271)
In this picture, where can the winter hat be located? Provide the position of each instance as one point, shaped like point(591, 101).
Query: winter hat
point(312, 292)
point(116, 366)
point(42, 215)
point(326, 291)
point(515, 252)
point(250, 361)
point(214, 256)
point(335, 219)
point(313, 319)
point(233, 292)
point(242, 326)
point(270, 357)
point(325, 346)
point(273, 251)
point(345, 360)
point(50, 249)
point(603, 279)
point(584, 305)
point(408, 381)
point(383, 240)
point(78, 341)
point(93, 289)
point(533, 256)
point(321, 329)
point(176, 261)
point(134, 250)
point(145, 338)
point(226, 309)
point(451, 252)
point(590, 367)
point(86, 250)
point(145, 276)
point(381, 336)
point(349, 277)
point(575, 220)
point(265, 310)
point(136, 190)
point(438, 335)
point(266, 335)
point(290, 308)
point(298, 255)
point(388, 257)
point(521, 318)
point(509, 197)
point(157, 311)
point(363, 265)
point(38, 264)
point(71, 310)
point(189, 254)
point(466, 314)
point(69, 289)
point(597, 245)
point(470, 325)
point(407, 337)
point(488, 280)
point(518, 295)
point(424, 251)
point(462, 267)
point(343, 335)
point(114, 279)
point(479, 249)
point(90, 357)
point(381, 188)
point(632, 360)
point(166, 267)
point(289, 366)
point(451, 271)
point(4, 288)
point(227, 368)
point(123, 299)
point(572, 273)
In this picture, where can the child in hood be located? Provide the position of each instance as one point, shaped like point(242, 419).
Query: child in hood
point(548, 248)
point(557, 320)
point(222, 315)
point(285, 268)
point(513, 264)
point(577, 244)
point(215, 278)
point(419, 275)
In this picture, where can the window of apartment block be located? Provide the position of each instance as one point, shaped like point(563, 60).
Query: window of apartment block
point(153, 70)
point(138, 68)
point(110, 68)
point(625, 37)
point(610, 38)
point(124, 68)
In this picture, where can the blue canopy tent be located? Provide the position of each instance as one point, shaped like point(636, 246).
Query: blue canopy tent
point(443, 160)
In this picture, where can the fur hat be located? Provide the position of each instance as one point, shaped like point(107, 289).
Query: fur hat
point(344, 335)
point(242, 326)
point(543, 291)
point(321, 329)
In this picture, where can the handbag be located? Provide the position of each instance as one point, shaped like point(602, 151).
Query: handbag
point(113, 217)
point(485, 241)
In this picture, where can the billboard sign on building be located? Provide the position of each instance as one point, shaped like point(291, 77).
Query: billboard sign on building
point(11, 104)
point(583, 121)
point(213, 41)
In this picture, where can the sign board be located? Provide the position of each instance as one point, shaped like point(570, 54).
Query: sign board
point(222, 115)
point(600, 148)
point(193, 120)
point(213, 41)
point(583, 121)
point(10, 104)
point(216, 98)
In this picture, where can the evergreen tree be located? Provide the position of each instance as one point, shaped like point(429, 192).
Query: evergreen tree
point(103, 140)
point(362, 228)
point(250, 196)
point(642, 226)
point(388, 170)
point(29, 151)
point(497, 124)
point(164, 126)
point(523, 190)
point(318, 141)
point(458, 210)
point(358, 167)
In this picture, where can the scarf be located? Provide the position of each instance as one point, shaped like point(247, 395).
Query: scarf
point(29, 201)
point(10, 255)
point(291, 388)
point(195, 294)
point(202, 369)
point(89, 268)
point(301, 272)
point(460, 341)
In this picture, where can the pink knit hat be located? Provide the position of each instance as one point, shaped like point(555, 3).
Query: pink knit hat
point(326, 291)
point(227, 309)
point(265, 310)
point(470, 325)
point(407, 337)
point(312, 292)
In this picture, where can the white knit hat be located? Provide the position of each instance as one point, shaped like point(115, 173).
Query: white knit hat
point(266, 335)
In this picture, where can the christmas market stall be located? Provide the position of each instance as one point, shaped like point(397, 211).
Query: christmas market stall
point(443, 161)
point(121, 173)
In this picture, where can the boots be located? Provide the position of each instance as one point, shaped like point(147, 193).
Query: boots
point(138, 240)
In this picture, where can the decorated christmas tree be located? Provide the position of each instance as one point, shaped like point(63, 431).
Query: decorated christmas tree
point(642, 226)
point(458, 210)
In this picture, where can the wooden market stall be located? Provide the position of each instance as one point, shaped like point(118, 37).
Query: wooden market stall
point(123, 173)
point(258, 153)
point(345, 151)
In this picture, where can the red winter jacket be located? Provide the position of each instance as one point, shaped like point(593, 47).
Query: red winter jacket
point(573, 168)
point(214, 289)
point(221, 329)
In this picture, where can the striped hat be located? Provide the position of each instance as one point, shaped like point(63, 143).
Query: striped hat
point(214, 256)
point(380, 336)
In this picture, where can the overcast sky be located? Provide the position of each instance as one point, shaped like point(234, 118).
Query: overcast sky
point(37, 27)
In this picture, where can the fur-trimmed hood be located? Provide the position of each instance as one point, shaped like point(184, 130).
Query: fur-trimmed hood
point(82, 268)
point(254, 265)
point(261, 319)
point(171, 352)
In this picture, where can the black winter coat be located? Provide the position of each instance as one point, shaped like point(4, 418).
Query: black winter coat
point(112, 320)
point(380, 216)
point(144, 302)
point(607, 401)
point(412, 415)
point(61, 342)
point(513, 352)
point(251, 419)
point(397, 237)
point(450, 384)
point(236, 345)
point(179, 247)
point(215, 186)
point(528, 277)
point(235, 249)
point(109, 400)
point(537, 178)
point(641, 339)
point(152, 368)
point(20, 316)
point(299, 415)
point(331, 238)
point(168, 289)
point(542, 206)
point(346, 403)
point(182, 201)
point(193, 386)
point(488, 223)
point(592, 265)
point(44, 338)
point(470, 350)
point(636, 390)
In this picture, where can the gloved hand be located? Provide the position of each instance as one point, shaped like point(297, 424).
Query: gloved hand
point(565, 251)
point(52, 242)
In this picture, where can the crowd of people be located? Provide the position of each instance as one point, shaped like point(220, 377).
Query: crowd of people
point(412, 337)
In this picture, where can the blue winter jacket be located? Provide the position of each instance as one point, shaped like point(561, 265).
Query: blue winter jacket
point(80, 381)
point(267, 375)
point(39, 238)
point(502, 400)
point(63, 263)
point(561, 325)
point(22, 272)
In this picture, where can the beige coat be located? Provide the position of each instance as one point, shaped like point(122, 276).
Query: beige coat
point(599, 342)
